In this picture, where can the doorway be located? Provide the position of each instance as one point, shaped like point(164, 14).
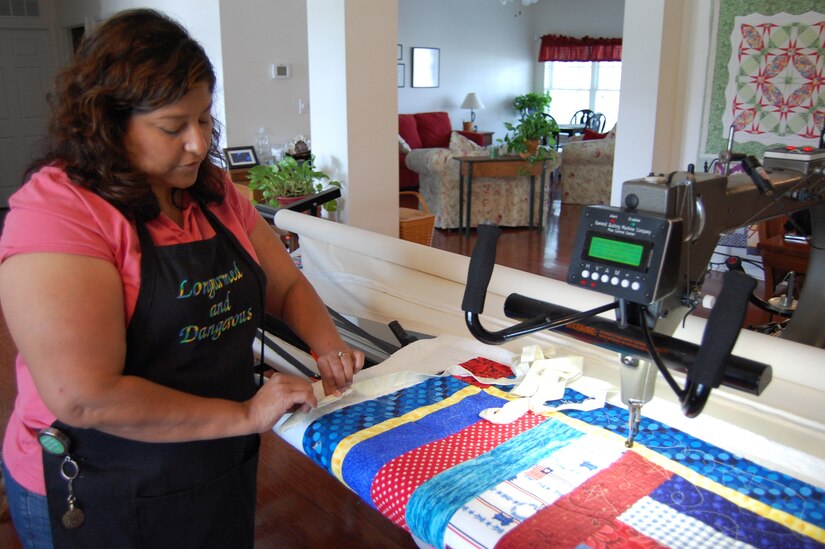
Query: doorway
point(27, 69)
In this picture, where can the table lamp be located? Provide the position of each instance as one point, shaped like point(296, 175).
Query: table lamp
point(472, 102)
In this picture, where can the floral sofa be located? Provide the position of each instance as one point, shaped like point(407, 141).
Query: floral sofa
point(423, 130)
point(587, 170)
point(504, 201)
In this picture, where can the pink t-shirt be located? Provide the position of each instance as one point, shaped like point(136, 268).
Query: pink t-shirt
point(51, 214)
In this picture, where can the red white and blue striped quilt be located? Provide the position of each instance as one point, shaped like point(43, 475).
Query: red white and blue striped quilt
point(424, 458)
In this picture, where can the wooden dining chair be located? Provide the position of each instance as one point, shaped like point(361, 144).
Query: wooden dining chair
point(556, 135)
point(597, 122)
point(583, 116)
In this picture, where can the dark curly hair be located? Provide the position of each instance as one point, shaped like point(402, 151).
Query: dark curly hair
point(135, 62)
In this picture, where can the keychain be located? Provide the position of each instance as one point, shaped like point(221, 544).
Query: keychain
point(74, 517)
point(57, 442)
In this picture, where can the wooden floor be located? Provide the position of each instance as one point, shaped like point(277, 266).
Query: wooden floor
point(299, 505)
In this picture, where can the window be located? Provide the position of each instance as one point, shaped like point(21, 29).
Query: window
point(576, 85)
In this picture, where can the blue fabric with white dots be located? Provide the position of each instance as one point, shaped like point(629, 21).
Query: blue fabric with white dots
point(780, 491)
point(324, 434)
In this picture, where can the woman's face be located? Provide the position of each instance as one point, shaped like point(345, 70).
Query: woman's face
point(169, 143)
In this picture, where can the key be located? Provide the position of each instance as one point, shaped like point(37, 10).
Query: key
point(74, 517)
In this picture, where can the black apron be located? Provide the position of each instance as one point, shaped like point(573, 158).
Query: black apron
point(197, 312)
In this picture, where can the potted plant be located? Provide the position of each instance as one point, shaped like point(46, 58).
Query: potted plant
point(288, 180)
point(525, 137)
point(532, 102)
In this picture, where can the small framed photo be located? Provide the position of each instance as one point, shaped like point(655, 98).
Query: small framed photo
point(240, 157)
point(400, 77)
point(400, 52)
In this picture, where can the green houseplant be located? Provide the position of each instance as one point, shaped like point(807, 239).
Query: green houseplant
point(289, 179)
point(525, 136)
point(532, 102)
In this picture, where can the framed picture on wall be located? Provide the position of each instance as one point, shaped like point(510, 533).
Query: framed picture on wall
point(425, 67)
point(400, 78)
point(400, 52)
point(240, 157)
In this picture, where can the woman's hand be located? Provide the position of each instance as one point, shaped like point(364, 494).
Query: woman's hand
point(337, 369)
point(290, 297)
point(281, 394)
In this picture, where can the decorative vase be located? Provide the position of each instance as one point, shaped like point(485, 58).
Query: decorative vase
point(287, 200)
point(468, 126)
point(532, 148)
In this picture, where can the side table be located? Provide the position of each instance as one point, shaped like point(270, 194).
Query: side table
point(503, 166)
point(486, 138)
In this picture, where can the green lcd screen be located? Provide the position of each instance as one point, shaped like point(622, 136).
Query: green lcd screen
point(616, 251)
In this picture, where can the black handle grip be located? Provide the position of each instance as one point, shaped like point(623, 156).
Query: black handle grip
point(722, 329)
point(740, 373)
point(403, 337)
point(481, 269)
point(758, 175)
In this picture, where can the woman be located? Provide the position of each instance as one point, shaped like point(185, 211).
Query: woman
point(133, 279)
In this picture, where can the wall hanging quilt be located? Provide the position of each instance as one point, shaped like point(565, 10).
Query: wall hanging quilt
point(422, 456)
point(768, 75)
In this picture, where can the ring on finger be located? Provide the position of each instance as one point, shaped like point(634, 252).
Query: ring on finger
point(340, 354)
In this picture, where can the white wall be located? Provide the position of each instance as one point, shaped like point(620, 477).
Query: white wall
point(643, 65)
point(485, 48)
point(201, 18)
point(594, 18)
point(664, 75)
point(257, 34)
point(354, 123)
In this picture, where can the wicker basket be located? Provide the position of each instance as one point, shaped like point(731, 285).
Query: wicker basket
point(416, 225)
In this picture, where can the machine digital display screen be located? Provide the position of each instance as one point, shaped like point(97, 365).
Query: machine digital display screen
point(619, 252)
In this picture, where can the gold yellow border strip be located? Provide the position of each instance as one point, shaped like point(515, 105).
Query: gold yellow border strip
point(347, 443)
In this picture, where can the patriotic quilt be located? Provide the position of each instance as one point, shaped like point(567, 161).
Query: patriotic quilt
point(423, 457)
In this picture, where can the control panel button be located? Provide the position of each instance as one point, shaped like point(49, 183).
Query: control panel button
point(585, 274)
point(605, 278)
point(594, 276)
point(625, 283)
point(635, 286)
point(615, 280)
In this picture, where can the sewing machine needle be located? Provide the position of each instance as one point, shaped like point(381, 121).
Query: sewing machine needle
point(634, 417)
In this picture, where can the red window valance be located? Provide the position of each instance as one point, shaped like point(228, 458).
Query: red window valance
point(566, 48)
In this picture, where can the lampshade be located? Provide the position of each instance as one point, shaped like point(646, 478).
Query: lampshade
point(472, 101)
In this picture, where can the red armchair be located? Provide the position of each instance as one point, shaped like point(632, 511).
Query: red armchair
point(424, 130)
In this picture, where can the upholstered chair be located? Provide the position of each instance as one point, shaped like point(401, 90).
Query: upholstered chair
point(587, 170)
point(504, 201)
